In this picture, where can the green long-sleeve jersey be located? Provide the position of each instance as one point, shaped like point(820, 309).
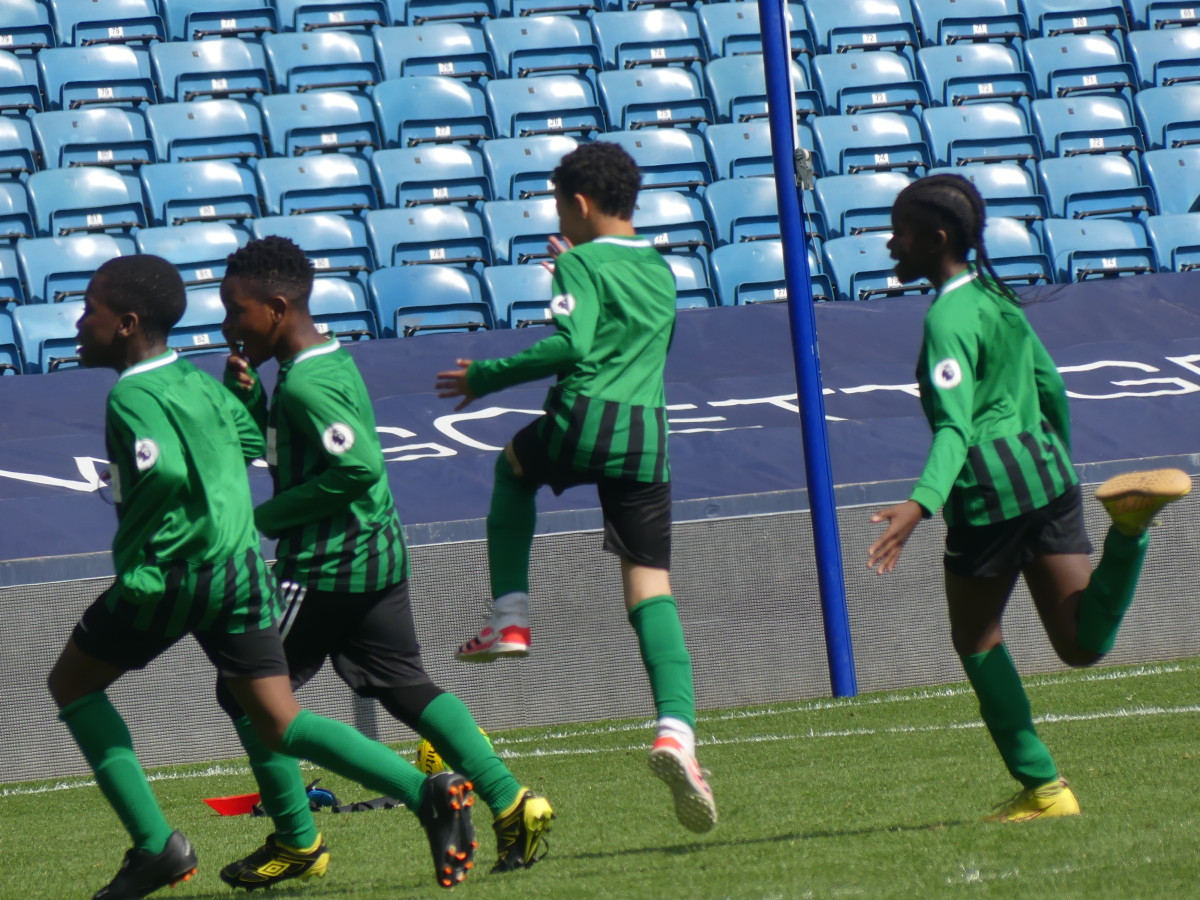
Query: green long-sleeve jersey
point(614, 314)
point(997, 407)
point(186, 551)
point(332, 510)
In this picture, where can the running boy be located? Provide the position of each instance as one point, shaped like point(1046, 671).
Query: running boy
point(1000, 466)
point(605, 423)
point(341, 558)
point(187, 560)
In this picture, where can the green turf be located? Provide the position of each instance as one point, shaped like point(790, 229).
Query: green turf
point(880, 796)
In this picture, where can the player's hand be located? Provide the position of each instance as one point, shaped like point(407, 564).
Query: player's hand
point(238, 366)
point(453, 383)
point(556, 247)
point(902, 519)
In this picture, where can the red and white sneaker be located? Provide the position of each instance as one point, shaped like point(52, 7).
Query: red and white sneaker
point(492, 643)
point(694, 804)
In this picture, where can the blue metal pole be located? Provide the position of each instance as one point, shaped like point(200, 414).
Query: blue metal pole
point(827, 544)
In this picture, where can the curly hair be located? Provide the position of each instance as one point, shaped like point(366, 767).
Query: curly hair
point(604, 173)
point(146, 285)
point(276, 266)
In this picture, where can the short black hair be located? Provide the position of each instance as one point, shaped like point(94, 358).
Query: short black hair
point(276, 265)
point(603, 172)
point(146, 285)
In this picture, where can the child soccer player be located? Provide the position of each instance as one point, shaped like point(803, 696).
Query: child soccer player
point(1000, 469)
point(605, 423)
point(342, 559)
point(187, 560)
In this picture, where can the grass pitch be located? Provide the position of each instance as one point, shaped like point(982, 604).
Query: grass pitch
point(878, 796)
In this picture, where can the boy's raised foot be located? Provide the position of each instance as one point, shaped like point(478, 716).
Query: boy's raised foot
point(274, 862)
point(1047, 801)
point(494, 642)
point(1133, 499)
point(694, 804)
point(445, 814)
point(521, 832)
point(143, 873)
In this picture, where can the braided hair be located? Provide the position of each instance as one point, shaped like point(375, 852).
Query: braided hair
point(951, 204)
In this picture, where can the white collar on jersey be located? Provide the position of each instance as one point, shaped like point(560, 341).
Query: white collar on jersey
point(316, 350)
point(958, 281)
point(149, 365)
point(623, 241)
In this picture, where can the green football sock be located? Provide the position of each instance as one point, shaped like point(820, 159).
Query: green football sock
point(449, 726)
point(1005, 711)
point(665, 655)
point(353, 755)
point(280, 788)
point(1110, 591)
point(101, 734)
point(510, 523)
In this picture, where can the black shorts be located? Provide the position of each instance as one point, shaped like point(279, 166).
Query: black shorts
point(370, 637)
point(986, 551)
point(113, 639)
point(637, 515)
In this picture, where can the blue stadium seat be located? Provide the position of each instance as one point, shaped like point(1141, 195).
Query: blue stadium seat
point(449, 173)
point(520, 229)
point(340, 307)
point(738, 150)
point(199, 329)
point(194, 20)
point(692, 289)
point(578, 9)
point(451, 49)
point(1074, 64)
point(83, 23)
point(732, 29)
point(842, 25)
point(113, 138)
point(654, 98)
point(1052, 18)
point(951, 22)
point(737, 87)
point(85, 200)
point(1156, 15)
point(25, 27)
point(859, 204)
point(16, 220)
point(322, 60)
point(753, 273)
point(520, 295)
point(862, 268)
point(1088, 187)
point(743, 209)
point(46, 333)
point(521, 168)
point(1016, 252)
point(429, 235)
point(1097, 248)
point(1170, 117)
point(422, 12)
point(336, 15)
point(980, 133)
point(336, 245)
point(1072, 126)
point(59, 268)
point(1167, 57)
point(880, 142)
point(656, 37)
point(105, 75)
point(19, 92)
point(674, 223)
point(199, 250)
point(873, 82)
point(554, 104)
point(320, 122)
point(1176, 241)
point(976, 73)
point(430, 109)
point(219, 191)
point(10, 353)
point(543, 45)
point(203, 70)
point(1008, 191)
point(17, 149)
point(12, 291)
point(207, 130)
point(335, 182)
point(413, 300)
point(670, 158)
point(1175, 177)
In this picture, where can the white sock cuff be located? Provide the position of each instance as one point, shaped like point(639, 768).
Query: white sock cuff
point(511, 609)
point(678, 729)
